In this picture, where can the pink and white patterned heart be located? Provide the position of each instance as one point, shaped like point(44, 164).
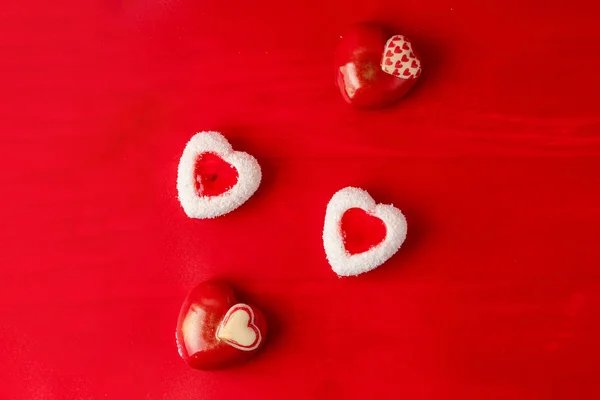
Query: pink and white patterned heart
point(399, 58)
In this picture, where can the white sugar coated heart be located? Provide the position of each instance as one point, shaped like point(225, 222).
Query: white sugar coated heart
point(342, 262)
point(248, 169)
point(238, 330)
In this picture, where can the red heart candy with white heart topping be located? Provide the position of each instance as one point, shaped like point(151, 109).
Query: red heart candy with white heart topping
point(366, 61)
point(215, 331)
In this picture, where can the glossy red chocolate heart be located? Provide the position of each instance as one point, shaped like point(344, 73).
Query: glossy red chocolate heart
point(361, 58)
point(361, 230)
point(214, 176)
point(214, 331)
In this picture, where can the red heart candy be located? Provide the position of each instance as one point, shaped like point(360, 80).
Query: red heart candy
point(398, 64)
point(396, 72)
point(404, 58)
point(414, 64)
point(389, 54)
point(406, 46)
point(213, 175)
point(397, 50)
point(362, 231)
point(364, 71)
point(406, 72)
point(215, 332)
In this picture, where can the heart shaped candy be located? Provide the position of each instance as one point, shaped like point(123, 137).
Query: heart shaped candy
point(342, 261)
point(206, 189)
point(369, 66)
point(214, 331)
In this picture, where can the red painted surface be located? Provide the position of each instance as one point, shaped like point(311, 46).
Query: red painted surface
point(494, 158)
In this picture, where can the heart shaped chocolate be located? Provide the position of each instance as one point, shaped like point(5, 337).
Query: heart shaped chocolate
point(214, 331)
point(369, 66)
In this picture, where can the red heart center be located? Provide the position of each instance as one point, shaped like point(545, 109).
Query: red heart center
point(213, 175)
point(361, 230)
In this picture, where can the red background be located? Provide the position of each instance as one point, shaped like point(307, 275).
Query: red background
point(494, 158)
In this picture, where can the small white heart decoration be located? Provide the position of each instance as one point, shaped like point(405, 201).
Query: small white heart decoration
point(249, 176)
point(342, 262)
point(238, 330)
point(399, 59)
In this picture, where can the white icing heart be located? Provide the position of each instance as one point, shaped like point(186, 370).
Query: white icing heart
point(249, 176)
point(342, 262)
point(238, 330)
